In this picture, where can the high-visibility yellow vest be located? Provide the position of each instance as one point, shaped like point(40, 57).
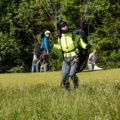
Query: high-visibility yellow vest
point(70, 46)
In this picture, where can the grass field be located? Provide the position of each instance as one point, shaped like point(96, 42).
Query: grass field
point(38, 96)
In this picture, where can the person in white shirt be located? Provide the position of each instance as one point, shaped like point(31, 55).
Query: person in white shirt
point(35, 64)
point(92, 61)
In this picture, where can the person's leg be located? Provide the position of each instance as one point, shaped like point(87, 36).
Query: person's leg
point(42, 67)
point(45, 67)
point(65, 74)
point(37, 68)
point(33, 68)
point(46, 63)
point(73, 71)
point(75, 81)
point(90, 67)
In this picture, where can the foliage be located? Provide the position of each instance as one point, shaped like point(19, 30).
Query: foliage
point(106, 35)
point(70, 11)
point(21, 26)
point(93, 102)
point(55, 60)
point(38, 96)
point(22, 23)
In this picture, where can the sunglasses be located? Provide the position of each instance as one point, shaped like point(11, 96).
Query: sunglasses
point(63, 25)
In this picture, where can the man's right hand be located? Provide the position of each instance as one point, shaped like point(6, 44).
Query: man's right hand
point(88, 46)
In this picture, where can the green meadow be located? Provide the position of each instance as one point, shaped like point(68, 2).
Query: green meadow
point(38, 96)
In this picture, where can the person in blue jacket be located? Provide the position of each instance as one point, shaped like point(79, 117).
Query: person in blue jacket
point(46, 45)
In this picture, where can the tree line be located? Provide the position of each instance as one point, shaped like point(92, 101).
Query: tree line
point(23, 21)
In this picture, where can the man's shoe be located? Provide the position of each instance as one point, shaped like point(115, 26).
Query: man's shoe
point(75, 82)
point(65, 84)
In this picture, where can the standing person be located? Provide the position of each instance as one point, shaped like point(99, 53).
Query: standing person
point(35, 64)
point(92, 61)
point(44, 57)
point(38, 49)
point(70, 53)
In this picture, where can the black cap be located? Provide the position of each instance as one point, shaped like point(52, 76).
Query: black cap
point(60, 24)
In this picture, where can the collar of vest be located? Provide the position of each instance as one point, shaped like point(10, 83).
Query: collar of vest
point(68, 34)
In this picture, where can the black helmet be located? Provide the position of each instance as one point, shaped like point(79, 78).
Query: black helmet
point(60, 24)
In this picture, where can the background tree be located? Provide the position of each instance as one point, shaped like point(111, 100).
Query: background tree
point(106, 35)
point(23, 21)
point(21, 24)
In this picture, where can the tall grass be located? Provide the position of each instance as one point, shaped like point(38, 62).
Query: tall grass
point(98, 100)
point(44, 102)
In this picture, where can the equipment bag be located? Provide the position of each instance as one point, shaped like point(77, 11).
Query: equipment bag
point(38, 49)
point(84, 53)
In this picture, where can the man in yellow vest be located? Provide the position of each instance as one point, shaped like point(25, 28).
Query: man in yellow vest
point(70, 51)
